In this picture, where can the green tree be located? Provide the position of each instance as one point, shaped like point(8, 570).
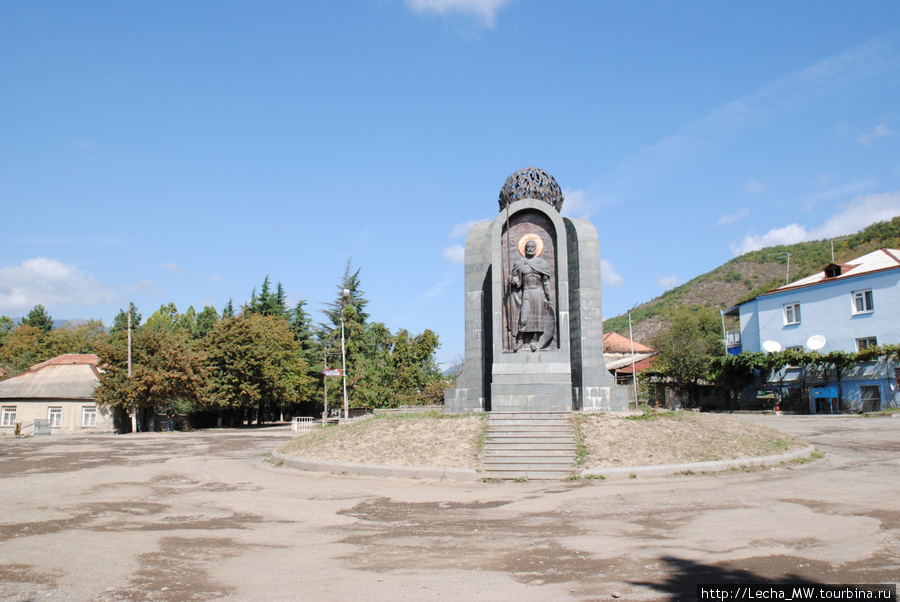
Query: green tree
point(310, 351)
point(362, 344)
point(39, 318)
point(228, 311)
point(120, 322)
point(734, 373)
point(22, 348)
point(268, 303)
point(6, 327)
point(205, 322)
point(166, 318)
point(187, 320)
point(165, 370)
point(74, 338)
point(254, 364)
point(687, 348)
point(416, 377)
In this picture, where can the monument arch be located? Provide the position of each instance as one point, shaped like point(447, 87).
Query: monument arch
point(534, 327)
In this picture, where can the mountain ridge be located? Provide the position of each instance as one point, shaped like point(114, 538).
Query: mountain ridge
point(751, 274)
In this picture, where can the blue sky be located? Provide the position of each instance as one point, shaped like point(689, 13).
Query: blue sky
point(182, 151)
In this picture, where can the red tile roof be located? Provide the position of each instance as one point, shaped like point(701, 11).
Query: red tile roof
point(613, 342)
point(68, 358)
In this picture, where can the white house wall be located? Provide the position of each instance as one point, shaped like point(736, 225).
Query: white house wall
point(29, 410)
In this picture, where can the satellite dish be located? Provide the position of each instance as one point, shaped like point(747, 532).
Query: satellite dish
point(772, 346)
point(816, 342)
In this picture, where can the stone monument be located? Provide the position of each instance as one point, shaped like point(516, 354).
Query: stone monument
point(534, 326)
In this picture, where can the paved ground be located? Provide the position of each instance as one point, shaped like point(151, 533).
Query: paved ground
point(203, 516)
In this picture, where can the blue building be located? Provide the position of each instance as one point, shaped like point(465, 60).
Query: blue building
point(845, 307)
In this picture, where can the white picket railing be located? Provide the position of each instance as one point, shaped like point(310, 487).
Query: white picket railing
point(301, 423)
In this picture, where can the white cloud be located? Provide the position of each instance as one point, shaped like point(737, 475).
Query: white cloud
point(144, 286)
point(667, 282)
point(436, 290)
point(880, 131)
point(483, 10)
point(462, 228)
point(455, 254)
point(215, 278)
point(755, 187)
point(172, 267)
point(825, 179)
point(49, 282)
point(835, 192)
point(660, 161)
point(734, 217)
point(576, 204)
point(856, 215)
point(609, 276)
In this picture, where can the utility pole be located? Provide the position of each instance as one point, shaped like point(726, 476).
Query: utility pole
point(787, 276)
point(325, 382)
point(832, 245)
point(128, 330)
point(633, 372)
point(344, 296)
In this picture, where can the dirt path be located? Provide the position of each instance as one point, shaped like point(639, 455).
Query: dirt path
point(202, 516)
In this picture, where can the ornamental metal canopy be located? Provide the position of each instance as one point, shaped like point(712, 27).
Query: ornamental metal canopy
point(531, 183)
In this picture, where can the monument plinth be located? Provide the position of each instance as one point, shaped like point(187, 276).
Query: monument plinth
point(534, 326)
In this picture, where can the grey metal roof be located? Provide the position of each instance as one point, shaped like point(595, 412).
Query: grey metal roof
point(66, 381)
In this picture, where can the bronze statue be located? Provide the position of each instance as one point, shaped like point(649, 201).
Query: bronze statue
point(531, 311)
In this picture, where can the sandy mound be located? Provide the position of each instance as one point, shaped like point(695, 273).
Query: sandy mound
point(435, 439)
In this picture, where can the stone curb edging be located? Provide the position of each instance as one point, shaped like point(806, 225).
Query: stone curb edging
point(470, 475)
point(377, 470)
point(624, 472)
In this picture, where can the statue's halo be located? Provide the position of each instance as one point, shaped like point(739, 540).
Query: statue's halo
point(538, 241)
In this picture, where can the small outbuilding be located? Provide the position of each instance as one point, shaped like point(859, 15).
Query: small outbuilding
point(621, 354)
point(58, 392)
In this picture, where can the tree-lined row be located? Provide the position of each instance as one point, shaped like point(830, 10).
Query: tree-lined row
point(265, 359)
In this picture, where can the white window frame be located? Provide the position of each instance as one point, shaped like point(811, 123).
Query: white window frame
point(863, 302)
point(791, 314)
point(89, 416)
point(54, 415)
point(866, 342)
point(9, 416)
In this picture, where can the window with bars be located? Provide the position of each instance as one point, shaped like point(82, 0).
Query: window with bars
point(54, 414)
point(870, 397)
point(9, 416)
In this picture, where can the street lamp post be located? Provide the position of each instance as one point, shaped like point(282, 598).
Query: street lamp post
point(344, 296)
point(633, 373)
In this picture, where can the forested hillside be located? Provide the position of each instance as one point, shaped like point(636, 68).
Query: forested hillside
point(751, 274)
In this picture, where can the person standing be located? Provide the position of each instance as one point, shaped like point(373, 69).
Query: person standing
point(170, 420)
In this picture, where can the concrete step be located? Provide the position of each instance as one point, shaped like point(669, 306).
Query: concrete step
point(501, 414)
point(529, 445)
point(529, 475)
point(527, 438)
point(546, 452)
point(530, 464)
point(530, 429)
point(529, 423)
point(538, 448)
